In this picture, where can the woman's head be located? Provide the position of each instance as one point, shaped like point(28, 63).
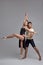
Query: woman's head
point(25, 23)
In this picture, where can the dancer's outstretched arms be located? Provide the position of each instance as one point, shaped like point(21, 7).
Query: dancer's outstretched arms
point(25, 36)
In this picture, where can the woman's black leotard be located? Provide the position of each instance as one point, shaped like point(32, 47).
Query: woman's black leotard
point(22, 31)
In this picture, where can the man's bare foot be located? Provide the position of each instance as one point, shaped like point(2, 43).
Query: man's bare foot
point(40, 58)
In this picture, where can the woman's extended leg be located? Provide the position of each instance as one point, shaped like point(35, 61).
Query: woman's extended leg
point(13, 35)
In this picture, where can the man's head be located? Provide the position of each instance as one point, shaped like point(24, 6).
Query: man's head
point(29, 24)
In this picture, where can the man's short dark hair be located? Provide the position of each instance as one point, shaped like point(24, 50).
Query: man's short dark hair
point(29, 22)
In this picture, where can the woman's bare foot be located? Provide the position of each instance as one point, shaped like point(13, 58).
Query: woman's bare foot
point(24, 57)
point(4, 37)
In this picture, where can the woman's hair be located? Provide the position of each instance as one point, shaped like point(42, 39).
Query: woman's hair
point(24, 22)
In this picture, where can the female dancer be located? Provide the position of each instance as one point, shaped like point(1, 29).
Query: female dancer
point(21, 37)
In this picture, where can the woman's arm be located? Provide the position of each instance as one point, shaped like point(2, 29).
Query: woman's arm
point(27, 29)
point(32, 31)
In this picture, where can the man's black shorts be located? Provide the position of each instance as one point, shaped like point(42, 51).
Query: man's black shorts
point(29, 41)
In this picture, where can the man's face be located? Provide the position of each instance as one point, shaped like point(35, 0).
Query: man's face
point(30, 25)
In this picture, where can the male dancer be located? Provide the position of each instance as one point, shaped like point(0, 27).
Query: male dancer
point(30, 40)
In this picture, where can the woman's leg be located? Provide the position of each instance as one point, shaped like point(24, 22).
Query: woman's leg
point(20, 45)
point(21, 49)
point(14, 35)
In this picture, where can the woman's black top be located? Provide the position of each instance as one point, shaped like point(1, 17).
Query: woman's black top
point(22, 31)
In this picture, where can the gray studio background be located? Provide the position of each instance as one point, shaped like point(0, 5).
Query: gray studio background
point(11, 18)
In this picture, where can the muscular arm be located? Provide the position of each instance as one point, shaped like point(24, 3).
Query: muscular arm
point(35, 32)
point(25, 36)
point(31, 31)
point(28, 29)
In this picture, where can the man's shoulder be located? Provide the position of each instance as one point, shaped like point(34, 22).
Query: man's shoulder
point(32, 29)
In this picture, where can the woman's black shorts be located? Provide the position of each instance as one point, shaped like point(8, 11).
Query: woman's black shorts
point(23, 43)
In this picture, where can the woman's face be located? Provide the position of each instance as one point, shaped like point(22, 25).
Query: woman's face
point(26, 23)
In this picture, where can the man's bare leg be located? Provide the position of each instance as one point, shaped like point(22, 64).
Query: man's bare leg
point(26, 53)
point(37, 51)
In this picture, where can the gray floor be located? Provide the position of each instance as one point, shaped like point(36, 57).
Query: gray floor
point(16, 61)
